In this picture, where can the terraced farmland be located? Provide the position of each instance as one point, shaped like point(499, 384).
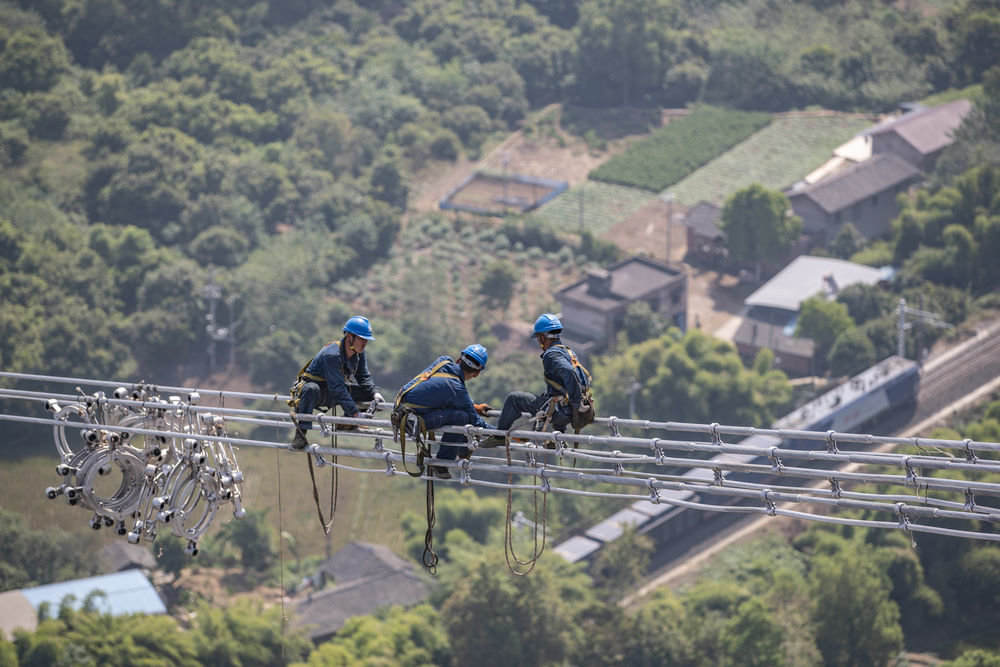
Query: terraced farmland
point(776, 156)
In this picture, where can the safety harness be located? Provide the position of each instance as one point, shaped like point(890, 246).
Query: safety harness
point(578, 420)
point(406, 421)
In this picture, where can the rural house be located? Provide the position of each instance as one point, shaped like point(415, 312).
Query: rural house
point(593, 309)
point(919, 136)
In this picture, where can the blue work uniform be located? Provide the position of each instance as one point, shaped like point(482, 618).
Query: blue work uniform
point(335, 379)
point(560, 381)
point(443, 400)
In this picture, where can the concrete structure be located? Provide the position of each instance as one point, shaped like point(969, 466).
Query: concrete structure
point(128, 592)
point(772, 311)
point(593, 309)
point(366, 577)
point(863, 194)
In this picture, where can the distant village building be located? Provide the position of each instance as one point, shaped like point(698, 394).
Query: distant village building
point(863, 194)
point(772, 311)
point(705, 240)
point(365, 578)
point(120, 593)
point(920, 135)
point(119, 556)
point(593, 309)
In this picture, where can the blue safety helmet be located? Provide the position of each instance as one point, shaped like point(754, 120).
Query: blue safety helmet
point(360, 327)
point(475, 356)
point(547, 323)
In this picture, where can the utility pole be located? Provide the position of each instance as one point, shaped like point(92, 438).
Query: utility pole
point(902, 325)
point(668, 199)
point(213, 293)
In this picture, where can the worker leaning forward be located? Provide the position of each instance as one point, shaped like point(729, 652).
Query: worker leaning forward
point(337, 375)
point(566, 399)
point(439, 396)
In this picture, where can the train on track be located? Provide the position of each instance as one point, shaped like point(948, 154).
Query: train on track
point(880, 389)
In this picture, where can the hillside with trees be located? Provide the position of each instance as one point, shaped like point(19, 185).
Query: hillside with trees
point(152, 152)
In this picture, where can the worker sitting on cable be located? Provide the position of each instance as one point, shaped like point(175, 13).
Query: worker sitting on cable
point(439, 396)
point(566, 398)
point(337, 375)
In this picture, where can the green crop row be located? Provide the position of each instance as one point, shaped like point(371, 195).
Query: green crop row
point(680, 147)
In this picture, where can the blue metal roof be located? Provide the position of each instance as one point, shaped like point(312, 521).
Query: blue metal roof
point(128, 592)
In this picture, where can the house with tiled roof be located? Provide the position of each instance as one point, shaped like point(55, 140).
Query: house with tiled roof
point(593, 309)
point(365, 577)
point(920, 135)
point(863, 194)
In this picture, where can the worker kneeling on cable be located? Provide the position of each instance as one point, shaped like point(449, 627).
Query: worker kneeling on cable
point(439, 397)
point(337, 375)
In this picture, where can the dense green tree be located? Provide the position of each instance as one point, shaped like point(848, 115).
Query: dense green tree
point(409, 638)
point(254, 537)
point(823, 321)
point(659, 635)
point(621, 564)
point(495, 618)
point(642, 322)
point(31, 61)
point(757, 225)
point(623, 50)
point(497, 284)
point(856, 621)
point(752, 637)
point(852, 352)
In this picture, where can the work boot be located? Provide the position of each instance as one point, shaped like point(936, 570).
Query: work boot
point(300, 441)
point(441, 472)
point(492, 441)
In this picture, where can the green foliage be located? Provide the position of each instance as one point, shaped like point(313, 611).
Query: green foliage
point(411, 638)
point(30, 557)
point(823, 321)
point(689, 378)
point(757, 225)
point(642, 323)
point(852, 352)
point(495, 618)
point(674, 151)
point(856, 621)
point(498, 283)
point(622, 564)
point(31, 60)
point(255, 538)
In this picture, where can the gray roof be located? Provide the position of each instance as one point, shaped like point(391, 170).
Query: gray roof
point(928, 129)
point(127, 592)
point(805, 276)
point(760, 334)
point(630, 280)
point(118, 556)
point(858, 182)
point(322, 614)
point(704, 218)
point(359, 560)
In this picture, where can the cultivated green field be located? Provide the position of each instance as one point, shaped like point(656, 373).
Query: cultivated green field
point(604, 205)
point(776, 156)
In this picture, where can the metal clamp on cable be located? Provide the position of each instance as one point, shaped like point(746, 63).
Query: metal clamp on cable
point(911, 476)
point(464, 472)
point(390, 470)
point(831, 443)
point(657, 452)
point(654, 494)
point(970, 500)
point(970, 455)
point(775, 461)
point(904, 521)
point(546, 486)
point(713, 430)
point(835, 487)
point(765, 495)
point(613, 426)
point(717, 478)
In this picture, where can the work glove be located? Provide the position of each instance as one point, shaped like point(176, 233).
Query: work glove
point(483, 409)
point(583, 407)
point(377, 398)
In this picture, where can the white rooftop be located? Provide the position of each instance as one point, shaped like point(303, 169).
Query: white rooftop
point(806, 276)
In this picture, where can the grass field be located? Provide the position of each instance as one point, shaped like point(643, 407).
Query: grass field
point(604, 205)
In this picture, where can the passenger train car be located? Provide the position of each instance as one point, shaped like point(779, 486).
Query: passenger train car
point(850, 406)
